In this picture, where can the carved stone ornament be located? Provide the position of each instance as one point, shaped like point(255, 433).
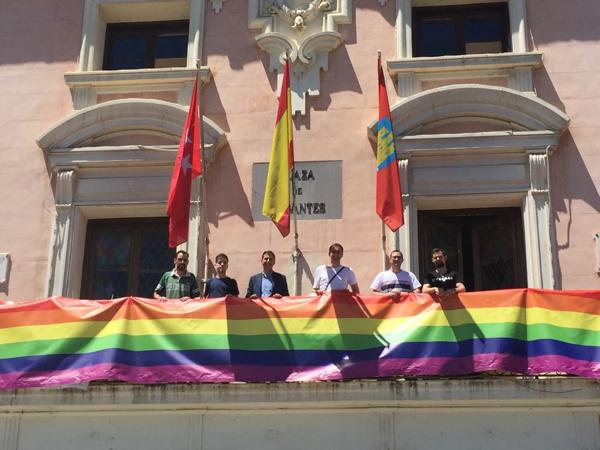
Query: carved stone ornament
point(217, 5)
point(304, 29)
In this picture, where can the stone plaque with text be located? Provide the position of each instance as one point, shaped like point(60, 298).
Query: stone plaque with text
point(318, 190)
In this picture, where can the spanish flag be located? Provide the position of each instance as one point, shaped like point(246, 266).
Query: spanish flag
point(389, 197)
point(276, 203)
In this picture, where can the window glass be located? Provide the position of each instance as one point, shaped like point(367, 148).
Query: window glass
point(438, 38)
point(458, 30)
point(483, 35)
point(146, 45)
point(125, 257)
point(128, 52)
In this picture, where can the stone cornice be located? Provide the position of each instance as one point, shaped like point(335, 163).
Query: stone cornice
point(460, 63)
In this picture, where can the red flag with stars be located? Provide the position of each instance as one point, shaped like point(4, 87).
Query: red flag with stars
point(188, 165)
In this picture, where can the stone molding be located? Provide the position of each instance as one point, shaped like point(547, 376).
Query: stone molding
point(479, 169)
point(467, 101)
point(304, 29)
point(411, 71)
point(217, 5)
point(506, 392)
point(91, 125)
point(86, 86)
point(97, 13)
point(66, 178)
point(538, 173)
point(106, 181)
point(516, 12)
point(516, 68)
point(90, 80)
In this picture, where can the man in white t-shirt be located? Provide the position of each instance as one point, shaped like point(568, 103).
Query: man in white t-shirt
point(335, 277)
point(395, 280)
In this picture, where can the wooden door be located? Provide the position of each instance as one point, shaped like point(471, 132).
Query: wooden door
point(485, 246)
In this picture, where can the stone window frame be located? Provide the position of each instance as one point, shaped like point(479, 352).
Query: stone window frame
point(90, 80)
point(94, 179)
point(516, 66)
point(536, 127)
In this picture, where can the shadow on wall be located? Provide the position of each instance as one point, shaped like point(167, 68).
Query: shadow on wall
point(563, 22)
point(211, 106)
point(545, 88)
point(47, 31)
point(234, 16)
point(224, 188)
point(571, 180)
point(305, 270)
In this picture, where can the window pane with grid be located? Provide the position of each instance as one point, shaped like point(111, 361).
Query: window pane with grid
point(146, 45)
point(125, 257)
point(458, 30)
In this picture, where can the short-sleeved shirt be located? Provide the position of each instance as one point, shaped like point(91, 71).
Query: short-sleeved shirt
point(172, 285)
point(444, 281)
point(341, 277)
point(387, 281)
point(220, 287)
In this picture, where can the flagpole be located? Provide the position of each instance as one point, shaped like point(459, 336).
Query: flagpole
point(296, 252)
point(204, 222)
point(383, 237)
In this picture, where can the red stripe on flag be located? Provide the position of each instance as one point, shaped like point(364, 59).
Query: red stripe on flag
point(388, 199)
point(188, 165)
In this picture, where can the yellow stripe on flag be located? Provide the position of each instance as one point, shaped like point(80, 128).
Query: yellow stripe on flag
point(276, 203)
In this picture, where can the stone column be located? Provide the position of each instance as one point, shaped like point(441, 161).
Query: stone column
point(537, 222)
point(406, 237)
point(403, 29)
point(59, 268)
point(193, 244)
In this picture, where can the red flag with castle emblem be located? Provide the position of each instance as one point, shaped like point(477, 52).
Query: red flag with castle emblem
point(188, 165)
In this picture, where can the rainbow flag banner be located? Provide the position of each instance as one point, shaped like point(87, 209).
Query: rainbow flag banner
point(334, 337)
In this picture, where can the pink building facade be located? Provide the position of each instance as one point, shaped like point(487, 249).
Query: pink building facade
point(496, 140)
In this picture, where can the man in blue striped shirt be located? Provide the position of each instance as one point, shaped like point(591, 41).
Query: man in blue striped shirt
point(395, 280)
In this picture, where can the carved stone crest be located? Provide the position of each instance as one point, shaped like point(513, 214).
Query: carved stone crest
point(305, 30)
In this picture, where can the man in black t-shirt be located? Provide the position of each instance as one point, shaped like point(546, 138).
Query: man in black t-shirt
point(222, 285)
point(442, 281)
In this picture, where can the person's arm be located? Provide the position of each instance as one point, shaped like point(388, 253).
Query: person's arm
point(250, 291)
point(317, 282)
point(352, 281)
point(460, 287)
point(284, 291)
point(376, 285)
point(194, 288)
point(428, 289)
point(280, 287)
point(414, 284)
point(159, 290)
point(235, 291)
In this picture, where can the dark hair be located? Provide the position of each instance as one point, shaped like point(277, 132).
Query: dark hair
point(438, 250)
point(183, 252)
point(267, 252)
point(221, 255)
point(334, 247)
point(396, 251)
